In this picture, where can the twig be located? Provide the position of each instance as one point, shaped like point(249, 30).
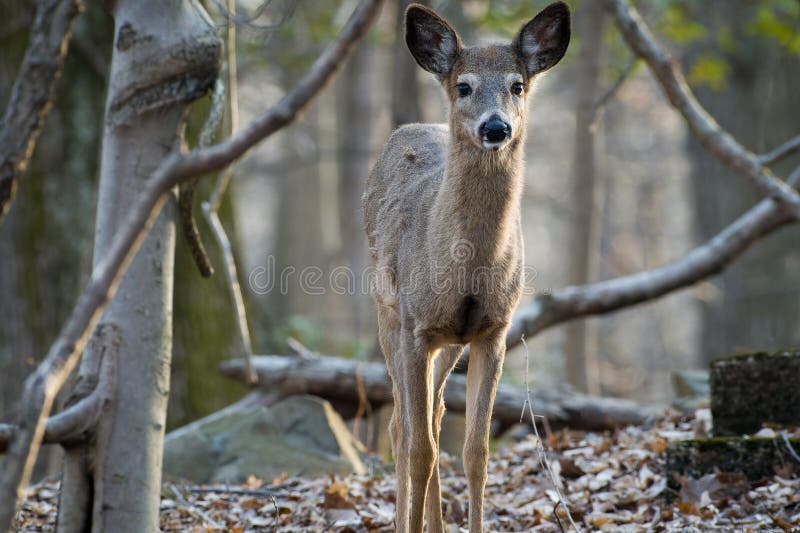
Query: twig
point(600, 103)
point(42, 386)
point(710, 134)
point(543, 461)
point(32, 93)
point(789, 447)
point(240, 492)
point(186, 197)
point(298, 348)
point(781, 152)
point(211, 207)
point(202, 515)
point(363, 407)
point(558, 519)
point(277, 514)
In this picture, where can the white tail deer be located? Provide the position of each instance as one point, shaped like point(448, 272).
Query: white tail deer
point(442, 215)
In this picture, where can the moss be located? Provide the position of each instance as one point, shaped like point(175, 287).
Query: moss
point(755, 457)
point(748, 390)
point(759, 355)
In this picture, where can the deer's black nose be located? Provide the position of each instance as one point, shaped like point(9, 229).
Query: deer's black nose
point(495, 130)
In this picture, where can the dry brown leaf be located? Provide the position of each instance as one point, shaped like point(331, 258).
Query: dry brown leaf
point(336, 497)
point(657, 445)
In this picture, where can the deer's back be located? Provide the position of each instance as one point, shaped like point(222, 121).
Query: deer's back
point(401, 189)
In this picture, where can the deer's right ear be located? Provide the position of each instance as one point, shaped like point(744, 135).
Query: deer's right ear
point(433, 43)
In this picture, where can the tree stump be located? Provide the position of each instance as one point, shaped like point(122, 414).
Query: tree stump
point(757, 458)
point(749, 390)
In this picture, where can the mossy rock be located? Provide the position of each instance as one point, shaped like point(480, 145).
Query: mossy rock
point(749, 390)
point(301, 435)
point(755, 457)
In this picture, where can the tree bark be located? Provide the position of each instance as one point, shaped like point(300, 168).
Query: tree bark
point(32, 95)
point(354, 99)
point(578, 354)
point(49, 234)
point(63, 355)
point(337, 379)
point(405, 87)
point(753, 306)
point(165, 56)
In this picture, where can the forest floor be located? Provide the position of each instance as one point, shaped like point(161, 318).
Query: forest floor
point(612, 481)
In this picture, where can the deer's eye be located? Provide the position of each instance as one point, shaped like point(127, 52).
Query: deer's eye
point(463, 89)
point(517, 88)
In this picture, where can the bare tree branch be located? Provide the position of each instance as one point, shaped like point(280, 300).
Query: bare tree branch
point(781, 152)
point(32, 94)
point(548, 310)
point(81, 417)
point(716, 140)
point(42, 386)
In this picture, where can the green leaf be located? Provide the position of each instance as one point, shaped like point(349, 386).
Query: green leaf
point(711, 71)
point(677, 27)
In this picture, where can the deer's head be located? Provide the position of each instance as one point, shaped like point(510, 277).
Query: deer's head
point(487, 85)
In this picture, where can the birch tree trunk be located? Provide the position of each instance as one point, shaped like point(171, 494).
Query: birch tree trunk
point(165, 55)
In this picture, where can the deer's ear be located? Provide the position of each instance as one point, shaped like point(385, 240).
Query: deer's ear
point(433, 43)
point(543, 41)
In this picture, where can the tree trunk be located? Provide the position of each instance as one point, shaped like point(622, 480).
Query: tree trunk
point(577, 352)
point(165, 55)
point(354, 106)
point(405, 87)
point(753, 305)
point(45, 241)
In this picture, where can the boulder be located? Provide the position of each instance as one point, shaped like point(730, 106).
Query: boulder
point(299, 436)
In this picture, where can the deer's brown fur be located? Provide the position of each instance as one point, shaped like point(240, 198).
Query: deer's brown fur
point(442, 216)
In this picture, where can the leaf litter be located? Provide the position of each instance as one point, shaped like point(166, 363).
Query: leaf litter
point(612, 481)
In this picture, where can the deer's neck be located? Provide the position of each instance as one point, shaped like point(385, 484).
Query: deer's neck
point(477, 208)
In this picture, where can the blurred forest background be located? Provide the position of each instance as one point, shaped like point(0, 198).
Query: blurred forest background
point(611, 190)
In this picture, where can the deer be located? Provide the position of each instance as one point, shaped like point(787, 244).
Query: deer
point(442, 218)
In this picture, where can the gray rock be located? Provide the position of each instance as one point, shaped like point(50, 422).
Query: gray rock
point(300, 435)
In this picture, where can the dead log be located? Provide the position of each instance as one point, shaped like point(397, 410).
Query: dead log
point(335, 379)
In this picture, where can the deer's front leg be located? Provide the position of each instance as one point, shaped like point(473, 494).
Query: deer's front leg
point(485, 366)
point(445, 362)
point(418, 452)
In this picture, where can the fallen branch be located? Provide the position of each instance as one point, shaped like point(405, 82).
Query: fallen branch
point(42, 386)
point(710, 134)
point(337, 379)
point(559, 306)
point(32, 93)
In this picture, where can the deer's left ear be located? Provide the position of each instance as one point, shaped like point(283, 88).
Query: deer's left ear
point(543, 41)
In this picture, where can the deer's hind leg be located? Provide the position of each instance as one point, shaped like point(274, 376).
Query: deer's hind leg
point(389, 338)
